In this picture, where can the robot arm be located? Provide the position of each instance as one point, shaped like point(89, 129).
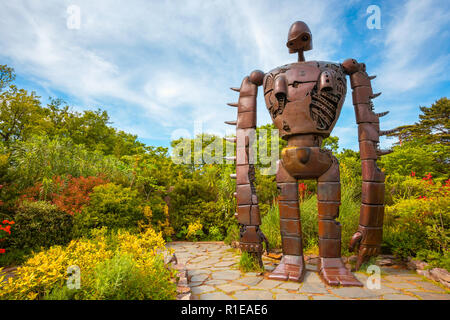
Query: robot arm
point(247, 214)
point(369, 234)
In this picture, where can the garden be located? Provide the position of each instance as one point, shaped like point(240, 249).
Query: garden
point(75, 191)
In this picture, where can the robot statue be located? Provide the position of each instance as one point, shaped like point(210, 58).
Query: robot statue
point(304, 100)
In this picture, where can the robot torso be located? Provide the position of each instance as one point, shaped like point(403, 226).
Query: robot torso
point(305, 97)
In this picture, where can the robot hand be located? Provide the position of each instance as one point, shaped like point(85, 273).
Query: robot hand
point(363, 243)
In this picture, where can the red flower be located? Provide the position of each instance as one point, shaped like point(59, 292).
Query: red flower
point(7, 229)
point(302, 187)
point(427, 177)
point(413, 174)
point(2, 250)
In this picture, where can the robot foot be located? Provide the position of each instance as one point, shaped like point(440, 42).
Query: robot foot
point(334, 273)
point(291, 268)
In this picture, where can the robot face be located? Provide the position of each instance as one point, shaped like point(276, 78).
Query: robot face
point(299, 37)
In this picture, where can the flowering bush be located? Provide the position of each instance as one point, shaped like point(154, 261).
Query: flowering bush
point(165, 227)
point(70, 194)
point(121, 266)
point(400, 187)
point(5, 231)
point(194, 231)
point(418, 224)
point(303, 191)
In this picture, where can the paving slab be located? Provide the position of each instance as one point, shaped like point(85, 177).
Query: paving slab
point(398, 297)
point(354, 292)
point(279, 291)
point(250, 281)
point(313, 288)
point(402, 285)
point(427, 286)
point(252, 274)
point(215, 296)
point(214, 274)
point(231, 287)
point(202, 289)
point(291, 296)
point(290, 285)
point(253, 295)
point(225, 263)
point(385, 290)
point(199, 277)
point(215, 282)
point(312, 277)
point(196, 272)
point(226, 275)
point(432, 296)
point(268, 284)
point(326, 297)
point(195, 283)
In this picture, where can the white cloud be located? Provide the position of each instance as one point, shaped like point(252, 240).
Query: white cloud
point(156, 66)
point(412, 57)
point(161, 65)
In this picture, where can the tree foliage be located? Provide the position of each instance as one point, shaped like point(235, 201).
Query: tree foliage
point(7, 75)
point(20, 114)
point(433, 126)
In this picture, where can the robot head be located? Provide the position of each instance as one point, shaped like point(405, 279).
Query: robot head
point(299, 37)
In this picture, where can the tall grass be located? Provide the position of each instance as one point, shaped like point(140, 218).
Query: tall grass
point(348, 217)
point(249, 263)
point(270, 226)
point(310, 226)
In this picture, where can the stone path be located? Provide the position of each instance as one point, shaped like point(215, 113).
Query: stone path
point(213, 274)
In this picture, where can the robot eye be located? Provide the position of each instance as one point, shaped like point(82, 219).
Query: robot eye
point(305, 38)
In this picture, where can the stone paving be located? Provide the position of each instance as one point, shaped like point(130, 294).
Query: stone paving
point(213, 274)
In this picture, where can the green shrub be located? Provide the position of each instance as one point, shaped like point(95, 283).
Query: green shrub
point(118, 278)
point(419, 227)
point(400, 187)
point(214, 234)
point(193, 201)
point(117, 265)
point(62, 293)
point(39, 224)
point(111, 206)
point(14, 257)
point(435, 258)
point(418, 157)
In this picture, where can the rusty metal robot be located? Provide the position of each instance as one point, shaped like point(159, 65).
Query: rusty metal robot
point(304, 100)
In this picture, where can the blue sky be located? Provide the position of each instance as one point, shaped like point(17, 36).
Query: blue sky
point(158, 67)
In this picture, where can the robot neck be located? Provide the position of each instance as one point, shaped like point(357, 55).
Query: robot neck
point(301, 56)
